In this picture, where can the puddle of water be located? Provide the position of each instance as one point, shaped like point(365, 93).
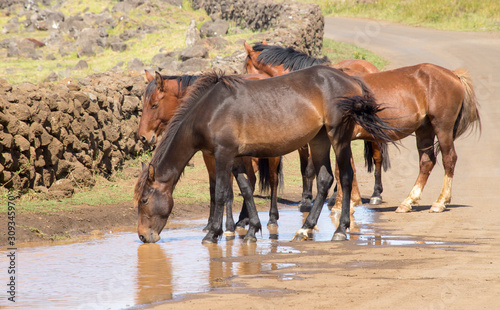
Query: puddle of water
point(117, 271)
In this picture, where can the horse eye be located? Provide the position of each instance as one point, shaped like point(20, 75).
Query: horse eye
point(154, 106)
point(145, 200)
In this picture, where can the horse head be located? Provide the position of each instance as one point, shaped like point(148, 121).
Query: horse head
point(154, 201)
point(161, 100)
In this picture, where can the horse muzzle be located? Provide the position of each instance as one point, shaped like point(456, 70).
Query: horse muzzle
point(149, 237)
point(149, 141)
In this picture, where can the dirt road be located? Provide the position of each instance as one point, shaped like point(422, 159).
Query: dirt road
point(460, 268)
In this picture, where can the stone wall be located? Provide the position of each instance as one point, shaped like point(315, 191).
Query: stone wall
point(290, 24)
point(71, 130)
point(68, 130)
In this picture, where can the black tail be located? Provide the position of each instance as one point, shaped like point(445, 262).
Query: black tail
point(363, 110)
point(264, 175)
point(369, 162)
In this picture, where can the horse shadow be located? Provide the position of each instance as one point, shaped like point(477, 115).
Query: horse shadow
point(419, 208)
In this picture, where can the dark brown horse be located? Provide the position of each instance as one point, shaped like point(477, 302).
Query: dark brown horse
point(275, 60)
point(230, 117)
point(425, 99)
point(162, 98)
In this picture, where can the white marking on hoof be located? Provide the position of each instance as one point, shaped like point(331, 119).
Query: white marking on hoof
point(403, 208)
point(437, 207)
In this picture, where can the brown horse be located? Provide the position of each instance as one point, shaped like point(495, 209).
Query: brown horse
point(230, 117)
point(425, 99)
point(275, 60)
point(162, 98)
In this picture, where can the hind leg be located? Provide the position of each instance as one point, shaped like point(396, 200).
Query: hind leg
point(355, 195)
point(376, 197)
point(250, 167)
point(449, 157)
point(247, 189)
point(274, 172)
point(425, 144)
point(320, 154)
point(307, 171)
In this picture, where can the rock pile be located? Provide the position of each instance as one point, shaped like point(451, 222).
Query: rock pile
point(68, 130)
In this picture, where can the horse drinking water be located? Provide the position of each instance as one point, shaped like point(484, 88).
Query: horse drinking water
point(229, 117)
point(162, 98)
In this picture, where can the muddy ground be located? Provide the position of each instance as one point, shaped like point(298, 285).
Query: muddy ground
point(454, 262)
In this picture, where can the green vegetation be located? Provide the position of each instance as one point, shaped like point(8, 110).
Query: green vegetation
point(459, 15)
point(171, 21)
point(338, 51)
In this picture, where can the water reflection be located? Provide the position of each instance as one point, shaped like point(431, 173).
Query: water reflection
point(154, 274)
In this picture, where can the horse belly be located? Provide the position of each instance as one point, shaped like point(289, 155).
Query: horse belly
point(274, 143)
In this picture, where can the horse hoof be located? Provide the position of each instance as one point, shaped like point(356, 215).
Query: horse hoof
point(375, 200)
point(437, 207)
point(272, 225)
point(339, 236)
point(250, 240)
point(301, 235)
point(403, 208)
point(229, 233)
point(208, 241)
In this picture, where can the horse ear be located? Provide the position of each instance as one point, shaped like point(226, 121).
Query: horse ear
point(149, 77)
point(159, 81)
point(248, 48)
point(151, 173)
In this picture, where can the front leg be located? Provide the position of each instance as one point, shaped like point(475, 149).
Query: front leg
point(223, 194)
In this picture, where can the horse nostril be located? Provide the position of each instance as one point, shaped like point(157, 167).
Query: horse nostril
point(143, 139)
point(142, 238)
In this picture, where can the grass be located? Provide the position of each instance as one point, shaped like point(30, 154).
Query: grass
point(172, 23)
point(338, 51)
point(457, 15)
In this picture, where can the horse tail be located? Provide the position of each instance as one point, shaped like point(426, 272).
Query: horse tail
point(264, 175)
point(369, 162)
point(363, 110)
point(468, 117)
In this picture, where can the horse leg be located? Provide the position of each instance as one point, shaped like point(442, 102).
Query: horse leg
point(336, 206)
point(223, 194)
point(307, 171)
point(343, 154)
point(210, 164)
point(274, 174)
point(449, 157)
point(243, 219)
point(320, 155)
point(425, 145)
point(246, 189)
point(376, 197)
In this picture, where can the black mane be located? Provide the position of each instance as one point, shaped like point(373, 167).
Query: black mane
point(183, 82)
point(290, 58)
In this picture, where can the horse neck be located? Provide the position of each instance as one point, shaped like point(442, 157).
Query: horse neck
point(173, 158)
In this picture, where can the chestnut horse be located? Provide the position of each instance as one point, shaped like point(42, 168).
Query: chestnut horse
point(425, 99)
point(230, 117)
point(275, 60)
point(162, 98)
